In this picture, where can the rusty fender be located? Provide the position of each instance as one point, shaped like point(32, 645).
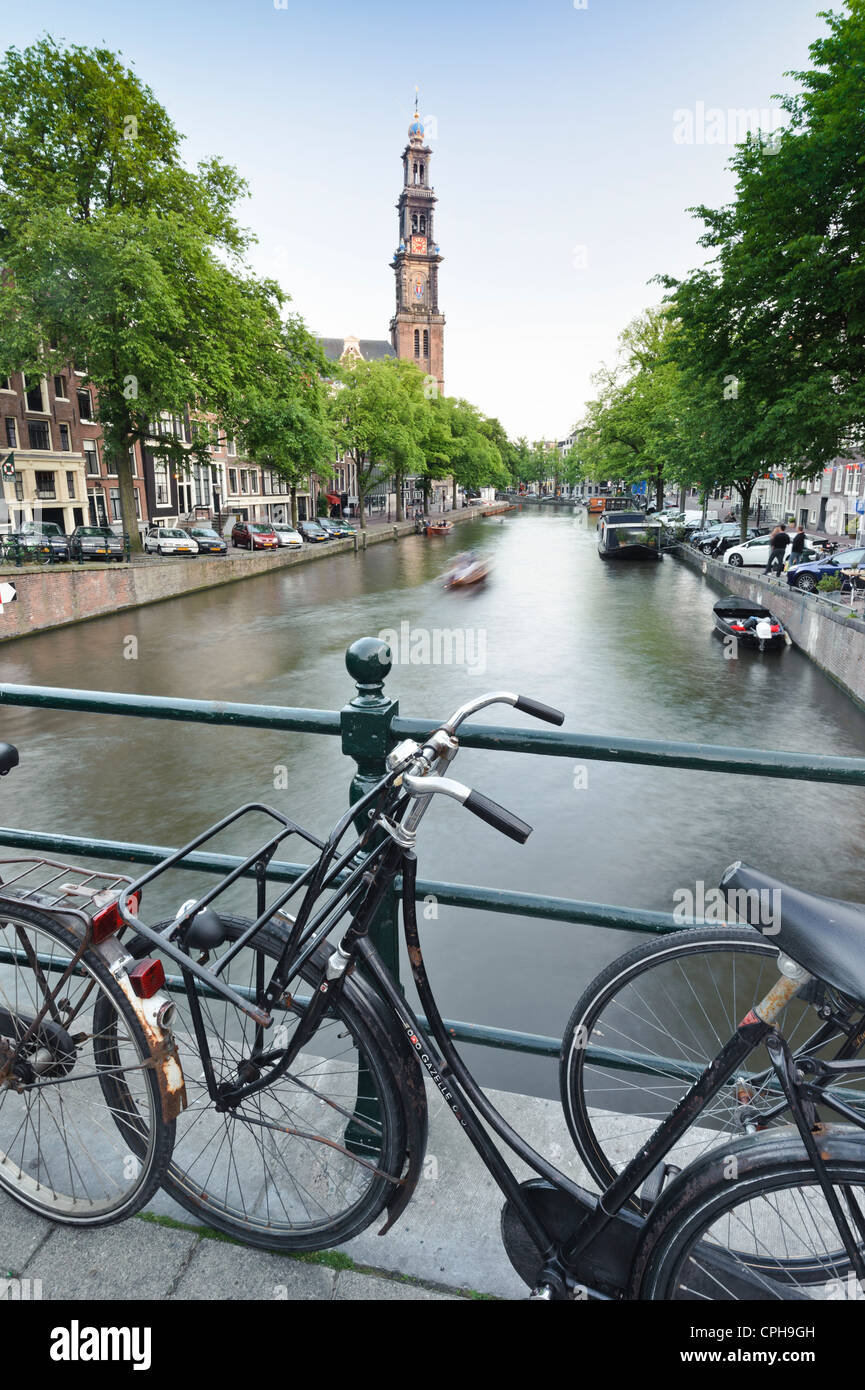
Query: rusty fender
point(410, 1084)
point(163, 1049)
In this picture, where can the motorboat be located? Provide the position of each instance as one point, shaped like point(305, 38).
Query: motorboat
point(629, 536)
point(438, 528)
point(466, 570)
point(749, 623)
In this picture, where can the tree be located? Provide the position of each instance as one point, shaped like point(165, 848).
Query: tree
point(372, 419)
point(117, 258)
point(280, 415)
point(630, 430)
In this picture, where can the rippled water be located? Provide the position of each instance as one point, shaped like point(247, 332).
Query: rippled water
point(625, 650)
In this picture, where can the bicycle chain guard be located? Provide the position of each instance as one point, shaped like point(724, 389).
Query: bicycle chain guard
point(604, 1269)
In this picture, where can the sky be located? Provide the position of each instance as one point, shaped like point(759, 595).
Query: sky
point(569, 139)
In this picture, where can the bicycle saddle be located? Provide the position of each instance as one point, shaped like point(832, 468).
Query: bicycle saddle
point(8, 758)
point(825, 935)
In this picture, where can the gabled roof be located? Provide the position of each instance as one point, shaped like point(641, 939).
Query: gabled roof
point(369, 349)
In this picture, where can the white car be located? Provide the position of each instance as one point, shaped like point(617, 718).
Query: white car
point(165, 541)
point(286, 535)
point(756, 551)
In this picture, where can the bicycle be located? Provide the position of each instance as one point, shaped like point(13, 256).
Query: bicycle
point(302, 1138)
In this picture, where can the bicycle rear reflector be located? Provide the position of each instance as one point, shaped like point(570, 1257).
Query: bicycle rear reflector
point(108, 920)
point(147, 977)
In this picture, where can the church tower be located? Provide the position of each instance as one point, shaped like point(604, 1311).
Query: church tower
point(417, 327)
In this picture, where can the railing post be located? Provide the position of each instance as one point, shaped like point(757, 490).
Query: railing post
point(365, 722)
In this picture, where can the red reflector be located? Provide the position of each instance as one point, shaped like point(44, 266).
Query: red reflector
point(738, 627)
point(146, 978)
point(776, 627)
point(108, 920)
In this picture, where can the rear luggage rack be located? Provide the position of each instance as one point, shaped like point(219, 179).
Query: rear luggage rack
point(46, 883)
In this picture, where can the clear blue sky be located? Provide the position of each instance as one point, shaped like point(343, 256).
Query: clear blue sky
point(562, 189)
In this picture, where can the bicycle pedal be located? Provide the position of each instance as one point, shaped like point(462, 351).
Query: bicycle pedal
point(655, 1182)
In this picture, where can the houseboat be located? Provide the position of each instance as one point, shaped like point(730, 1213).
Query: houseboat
point(629, 536)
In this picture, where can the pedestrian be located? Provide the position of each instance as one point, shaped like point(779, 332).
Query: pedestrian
point(797, 547)
point(777, 546)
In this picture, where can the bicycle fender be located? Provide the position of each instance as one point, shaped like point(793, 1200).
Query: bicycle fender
point(412, 1091)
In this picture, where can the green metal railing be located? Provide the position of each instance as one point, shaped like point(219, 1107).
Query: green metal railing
point(368, 726)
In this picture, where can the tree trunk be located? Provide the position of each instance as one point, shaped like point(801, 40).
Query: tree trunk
point(400, 505)
point(454, 493)
point(293, 496)
point(659, 491)
point(126, 488)
point(745, 491)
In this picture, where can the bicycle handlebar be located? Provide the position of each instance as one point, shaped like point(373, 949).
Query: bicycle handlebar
point(503, 697)
point(499, 817)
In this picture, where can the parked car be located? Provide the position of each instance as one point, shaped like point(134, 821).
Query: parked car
point(287, 535)
point(808, 575)
point(312, 531)
point(166, 540)
point(755, 551)
point(337, 529)
point(44, 536)
point(55, 535)
point(254, 535)
point(95, 543)
point(209, 542)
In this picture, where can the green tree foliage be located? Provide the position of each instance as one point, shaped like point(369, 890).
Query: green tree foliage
point(117, 258)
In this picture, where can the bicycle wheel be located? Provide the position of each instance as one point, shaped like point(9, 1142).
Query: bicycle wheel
point(666, 1009)
point(61, 1152)
point(307, 1162)
point(752, 1223)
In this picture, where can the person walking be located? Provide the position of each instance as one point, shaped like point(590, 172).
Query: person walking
point(777, 546)
point(797, 547)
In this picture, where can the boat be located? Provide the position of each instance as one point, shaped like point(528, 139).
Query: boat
point(467, 570)
point(438, 528)
point(749, 623)
point(619, 503)
point(629, 536)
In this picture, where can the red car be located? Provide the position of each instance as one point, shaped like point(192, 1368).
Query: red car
point(254, 535)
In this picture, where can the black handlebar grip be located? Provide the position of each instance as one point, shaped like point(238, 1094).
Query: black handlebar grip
point(534, 707)
point(498, 817)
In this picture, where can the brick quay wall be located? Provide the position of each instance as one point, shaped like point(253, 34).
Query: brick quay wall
point(56, 595)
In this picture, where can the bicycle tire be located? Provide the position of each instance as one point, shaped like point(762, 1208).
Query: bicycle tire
point(53, 1129)
point(264, 1217)
point(617, 1011)
point(678, 1254)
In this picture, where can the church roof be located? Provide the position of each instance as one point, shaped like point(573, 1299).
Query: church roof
point(370, 349)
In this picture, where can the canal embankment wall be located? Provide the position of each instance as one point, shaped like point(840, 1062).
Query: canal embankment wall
point(831, 637)
point(56, 595)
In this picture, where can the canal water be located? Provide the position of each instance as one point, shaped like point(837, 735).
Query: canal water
point(623, 650)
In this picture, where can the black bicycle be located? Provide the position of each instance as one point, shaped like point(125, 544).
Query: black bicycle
point(305, 1069)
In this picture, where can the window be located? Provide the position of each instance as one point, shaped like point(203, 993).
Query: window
point(98, 514)
point(201, 478)
point(60, 388)
point(33, 390)
point(133, 461)
point(64, 438)
point(91, 457)
point(232, 481)
point(70, 485)
point(19, 487)
point(85, 404)
point(114, 498)
point(162, 485)
point(423, 222)
point(244, 480)
point(11, 433)
point(6, 383)
point(849, 478)
point(426, 342)
point(253, 480)
point(39, 434)
point(230, 448)
point(417, 342)
point(45, 486)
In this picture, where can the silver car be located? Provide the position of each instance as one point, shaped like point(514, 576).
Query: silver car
point(166, 541)
point(286, 535)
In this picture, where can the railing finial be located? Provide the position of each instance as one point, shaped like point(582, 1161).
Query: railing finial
point(368, 662)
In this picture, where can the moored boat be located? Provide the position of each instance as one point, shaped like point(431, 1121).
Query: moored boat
point(629, 536)
point(749, 623)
